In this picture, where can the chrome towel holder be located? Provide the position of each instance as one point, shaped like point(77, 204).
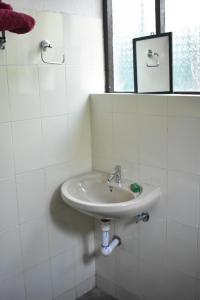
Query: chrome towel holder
point(154, 56)
point(43, 46)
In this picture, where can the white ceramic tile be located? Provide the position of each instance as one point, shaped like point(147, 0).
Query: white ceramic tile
point(186, 106)
point(179, 286)
point(24, 92)
point(102, 103)
point(125, 103)
point(63, 275)
point(122, 294)
point(6, 157)
point(152, 280)
point(80, 83)
point(113, 102)
point(106, 285)
point(181, 248)
point(156, 177)
point(77, 83)
point(84, 226)
point(79, 135)
point(153, 141)
point(129, 169)
point(129, 231)
point(80, 166)
point(34, 242)
point(127, 271)
point(3, 57)
point(180, 251)
point(125, 137)
point(69, 295)
point(84, 252)
point(55, 176)
point(198, 257)
point(50, 27)
point(29, 52)
point(197, 290)
point(85, 286)
point(96, 76)
point(52, 90)
point(98, 233)
point(38, 282)
point(155, 104)
point(152, 240)
point(61, 232)
point(13, 288)
point(183, 144)
point(101, 164)
point(8, 204)
point(28, 150)
point(84, 41)
point(105, 265)
point(183, 197)
point(56, 139)
point(10, 253)
point(32, 204)
point(102, 135)
point(4, 102)
point(85, 229)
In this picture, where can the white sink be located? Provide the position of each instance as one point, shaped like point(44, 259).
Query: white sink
point(91, 194)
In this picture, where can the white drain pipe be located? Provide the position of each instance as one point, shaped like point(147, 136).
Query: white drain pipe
point(107, 247)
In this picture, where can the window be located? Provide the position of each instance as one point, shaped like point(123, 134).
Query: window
point(186, 42)
point(128, 19)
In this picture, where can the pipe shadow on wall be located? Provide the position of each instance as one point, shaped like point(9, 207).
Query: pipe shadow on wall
point(79, 228)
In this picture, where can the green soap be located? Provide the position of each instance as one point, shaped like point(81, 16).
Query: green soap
point(135, 188)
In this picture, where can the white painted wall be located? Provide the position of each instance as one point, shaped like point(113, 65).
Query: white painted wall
point(44, 139)
point(156, 139)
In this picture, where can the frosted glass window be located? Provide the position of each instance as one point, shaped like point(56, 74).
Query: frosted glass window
point(182, 18)
point(131, 19)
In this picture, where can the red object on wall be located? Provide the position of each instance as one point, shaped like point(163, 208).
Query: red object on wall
point(13, 21)
point(5, 6)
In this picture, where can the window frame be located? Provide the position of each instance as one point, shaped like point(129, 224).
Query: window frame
point(108, 43)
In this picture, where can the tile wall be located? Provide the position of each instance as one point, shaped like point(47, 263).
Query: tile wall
point(156, 139)
point(44, 139)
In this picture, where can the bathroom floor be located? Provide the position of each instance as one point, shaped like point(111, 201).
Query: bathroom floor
point(96, 294)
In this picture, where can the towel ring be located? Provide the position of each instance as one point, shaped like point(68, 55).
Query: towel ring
point(151, 55)
point(43, 46)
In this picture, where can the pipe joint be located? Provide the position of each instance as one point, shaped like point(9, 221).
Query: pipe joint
point(107, 247)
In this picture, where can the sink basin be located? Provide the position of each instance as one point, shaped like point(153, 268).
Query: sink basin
point(91, 194)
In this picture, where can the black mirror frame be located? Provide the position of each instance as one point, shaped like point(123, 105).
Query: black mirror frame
point(169, 35)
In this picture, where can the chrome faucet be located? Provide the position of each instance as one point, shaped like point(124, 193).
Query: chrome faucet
point(115, 175)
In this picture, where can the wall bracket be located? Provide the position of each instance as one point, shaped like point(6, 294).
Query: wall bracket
point(2, 40)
